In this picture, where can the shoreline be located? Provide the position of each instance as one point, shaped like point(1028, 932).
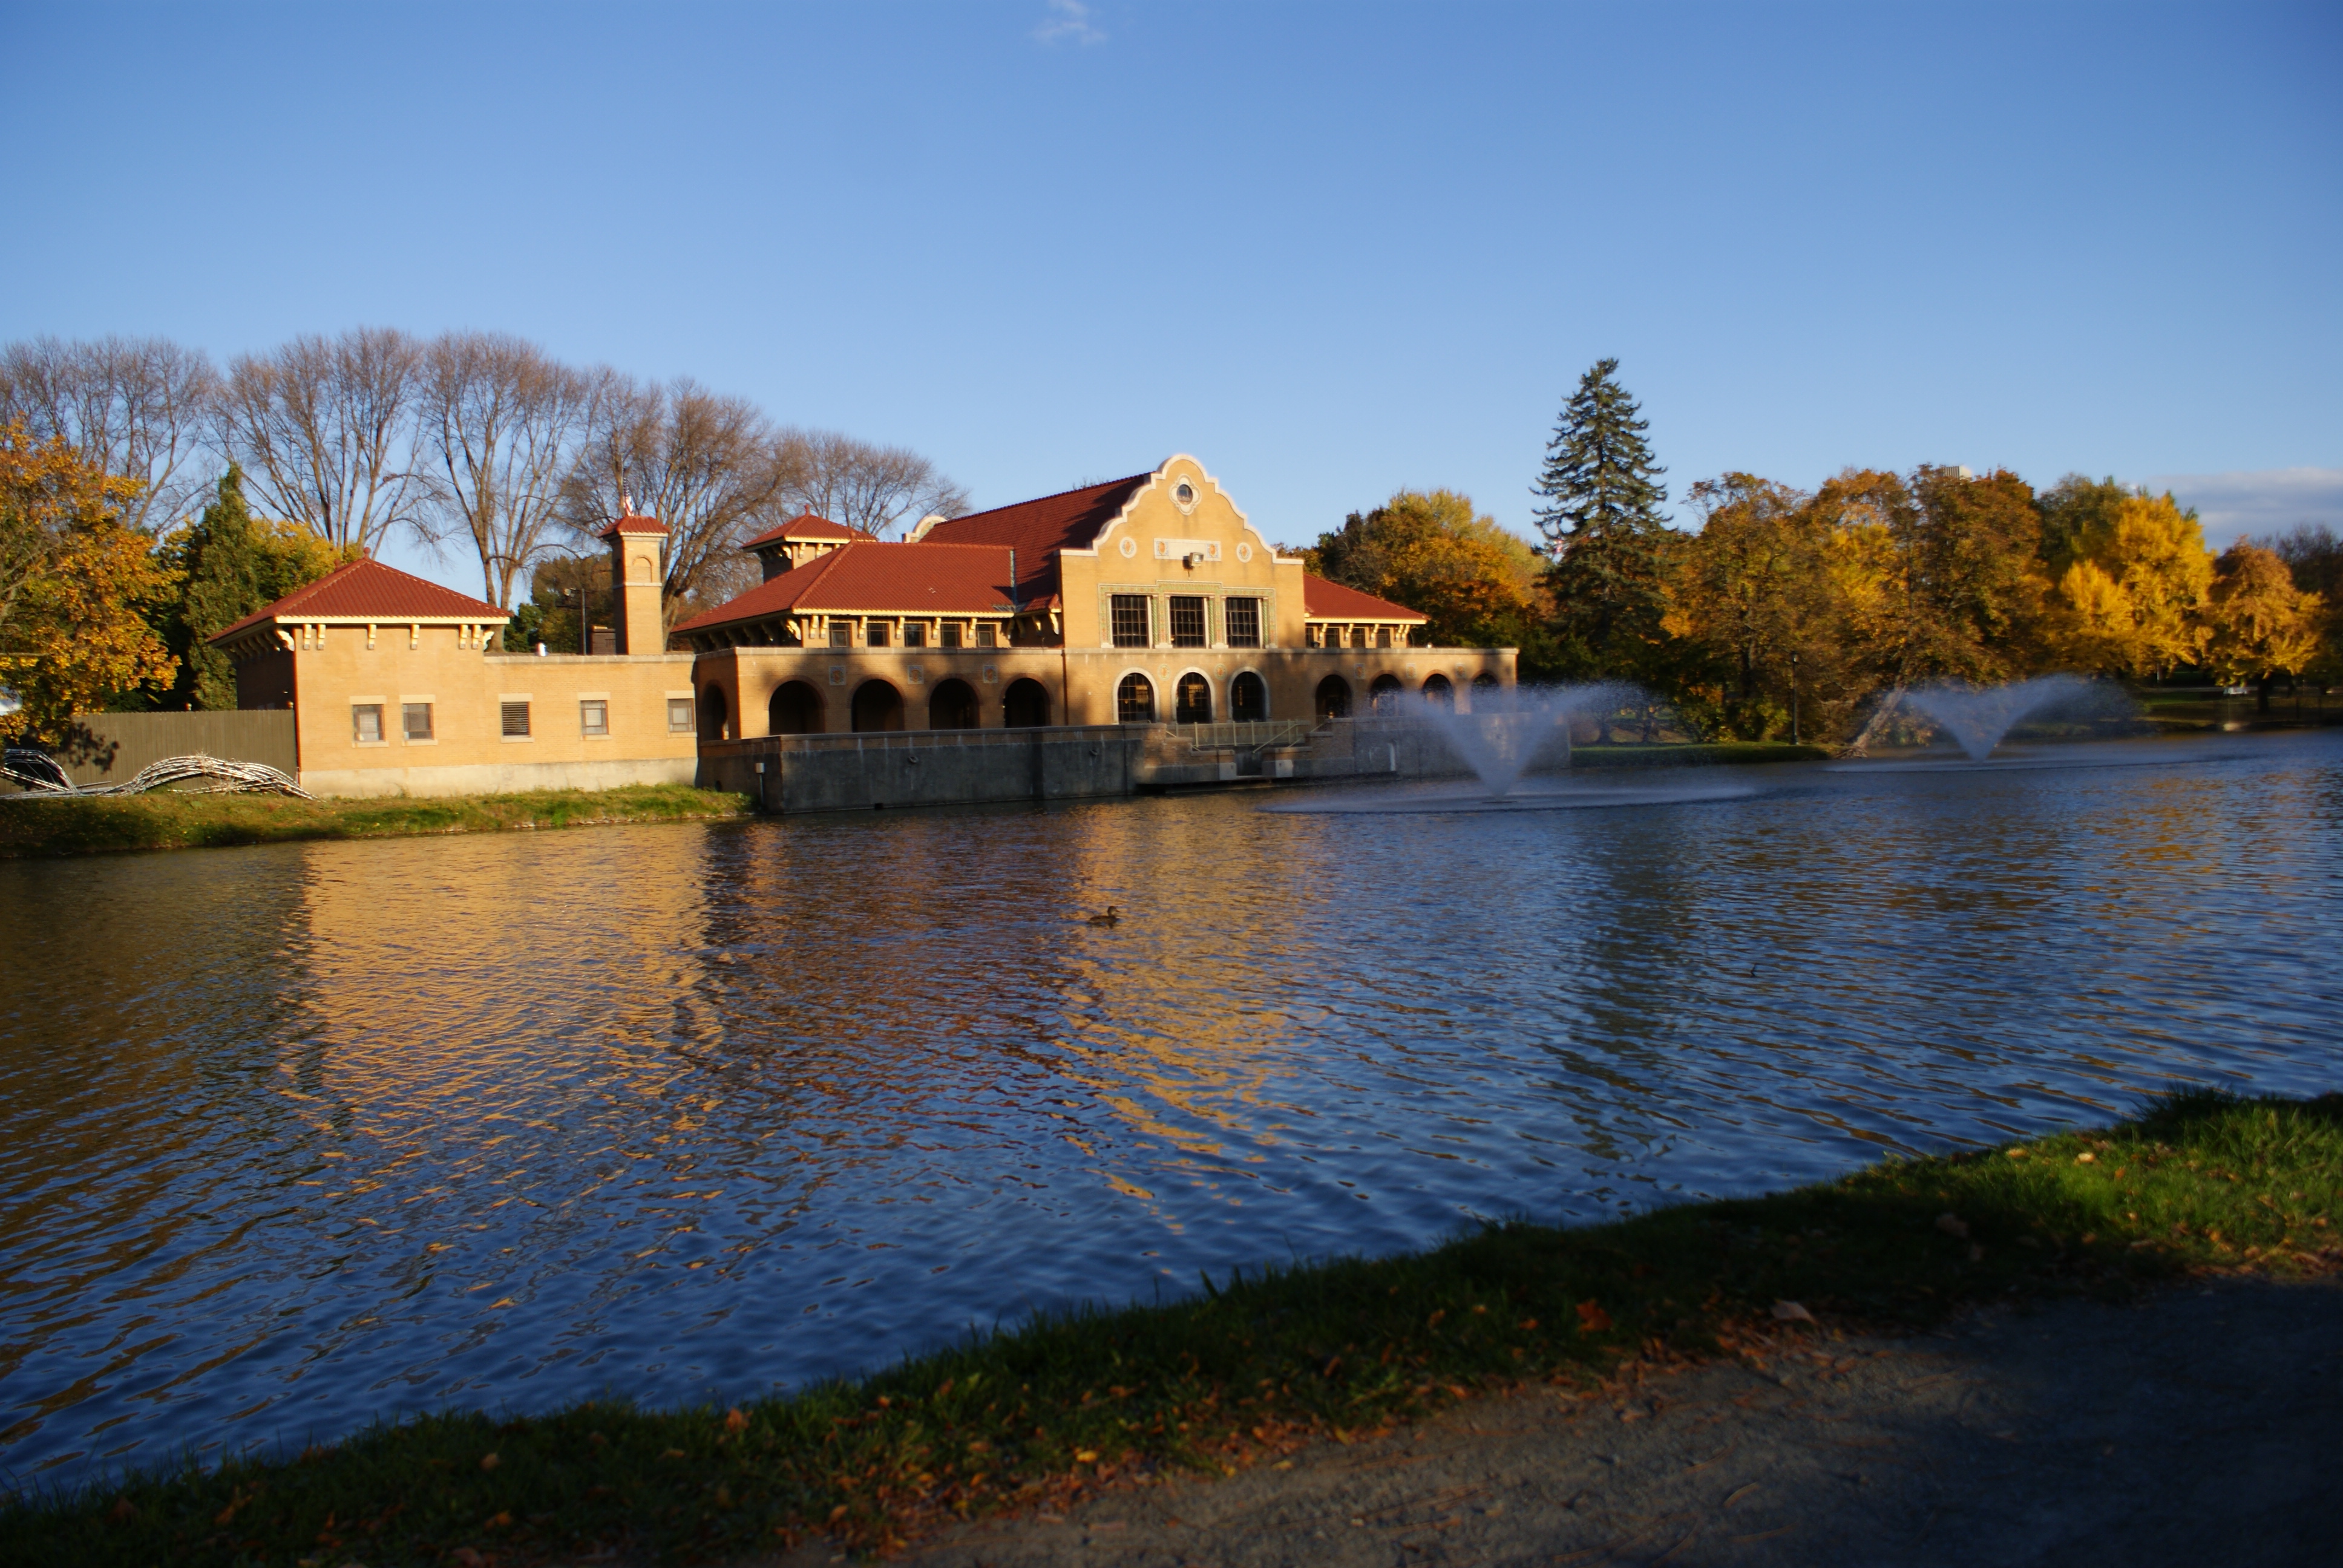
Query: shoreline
point(1254, 1367)
point(48, 829)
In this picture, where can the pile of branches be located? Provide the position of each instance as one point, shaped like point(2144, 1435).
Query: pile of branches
point(38, 774)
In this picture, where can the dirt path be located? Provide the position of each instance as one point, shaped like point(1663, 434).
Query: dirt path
point(2203, 1425)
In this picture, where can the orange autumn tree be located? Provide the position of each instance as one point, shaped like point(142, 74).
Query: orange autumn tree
point(76, 587)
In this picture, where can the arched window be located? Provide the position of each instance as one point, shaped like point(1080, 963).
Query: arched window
point(1384, 695)
point(877, 705)
point(1025, 705)
point(1482, 682)
point(715, 714)
point(952, 706)
point(1134, 700)
point(1192, 700)
point(796, 709)
point(1248, 699)
point(1438, 692)
point(1333, 700)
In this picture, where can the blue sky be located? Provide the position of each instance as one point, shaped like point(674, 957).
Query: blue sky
point(1333, 250)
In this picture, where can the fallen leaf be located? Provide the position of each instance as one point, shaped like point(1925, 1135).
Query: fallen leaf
point(2085, 1158)
point(489, 1462)
point(672, 1454)
point(498, 1520)
point(1792, 1313)
point(122, 1510)
point(1592, 1318)
point(2015, 1153)
point(735, 1422)
point(1953, 1225)
point(1086, 1456)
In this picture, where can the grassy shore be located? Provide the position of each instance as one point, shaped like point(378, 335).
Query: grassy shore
point(1690, 754)
point(90, 824)
point(1251, 1367)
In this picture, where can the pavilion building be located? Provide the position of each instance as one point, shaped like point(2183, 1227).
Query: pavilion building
point(1147, 600)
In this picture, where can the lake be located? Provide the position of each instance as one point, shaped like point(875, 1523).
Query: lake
point(295, 1136)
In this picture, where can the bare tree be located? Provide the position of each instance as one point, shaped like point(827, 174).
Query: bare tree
point(706, 464)
point(875, 488)
point(325, 431)
point(501, 424)
point(140, 407)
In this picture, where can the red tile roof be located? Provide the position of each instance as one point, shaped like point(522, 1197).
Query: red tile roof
point(879, 578)
point(367, 589)
point(806, 525)
point(1324, 601)
point(630, 524)
point(1038, 530)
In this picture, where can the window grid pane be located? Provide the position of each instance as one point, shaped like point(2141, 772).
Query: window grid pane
point(985, 636)
point(1134, 700)
point(950, 633)
point(679, 715)
point(1187, 622)
point(1244, 622)
point(415, 719)
point(594, 717)
point(365, 722)
point(515, 718)
point(1131, 628)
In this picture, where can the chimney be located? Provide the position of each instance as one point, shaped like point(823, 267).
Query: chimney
point(637, 577)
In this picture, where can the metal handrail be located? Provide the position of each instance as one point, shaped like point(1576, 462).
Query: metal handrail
point(1244, 735)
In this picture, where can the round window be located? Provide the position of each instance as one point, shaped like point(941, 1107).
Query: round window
point(1184, 494)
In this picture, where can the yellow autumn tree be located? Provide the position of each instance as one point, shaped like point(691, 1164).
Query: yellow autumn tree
point(76, 587)
point(2259, 624)
point(2133, 600)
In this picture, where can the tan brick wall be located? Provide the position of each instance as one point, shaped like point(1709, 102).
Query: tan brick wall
point(335, 671)
point(1080, 682)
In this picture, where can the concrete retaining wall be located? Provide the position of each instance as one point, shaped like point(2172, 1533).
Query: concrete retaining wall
point(1069, 762)
point(496, 778)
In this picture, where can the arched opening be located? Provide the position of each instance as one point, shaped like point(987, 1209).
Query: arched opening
point(1438, 692)
point(1484, 682)
point(1248, 699)
point(715, 714)
point(877, 705)
point(1192, 700)
point(1384, 695)
point(1134, 700)
point(1333, 700)
point(952, 706)
point(1025, 705)
point(796, 709)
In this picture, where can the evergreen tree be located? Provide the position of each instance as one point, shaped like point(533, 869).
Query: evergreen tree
point(1602, 520)
point(234, 564)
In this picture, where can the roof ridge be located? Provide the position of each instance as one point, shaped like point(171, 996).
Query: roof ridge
point(1069, 490)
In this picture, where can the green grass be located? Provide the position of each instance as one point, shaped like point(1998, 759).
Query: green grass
point(1687, 754)
point(1254, 1366)
point(160, 820)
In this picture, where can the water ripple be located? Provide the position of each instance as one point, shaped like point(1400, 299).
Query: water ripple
point(295, 1136)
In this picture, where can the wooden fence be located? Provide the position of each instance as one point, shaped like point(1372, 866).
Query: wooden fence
point(109, 747)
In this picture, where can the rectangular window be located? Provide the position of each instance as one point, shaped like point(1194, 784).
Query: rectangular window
point(950, 630)
point(515, 719)
point(1187, 622)
point(594, 717)
point(874, 634)
point(1383, 636)
point(678, 716)
point(842, 633)
point(985, 636)
point(1131, 621)
point(1244, 622)
point(366, 723)
point(415, 717)
point(915, 634)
